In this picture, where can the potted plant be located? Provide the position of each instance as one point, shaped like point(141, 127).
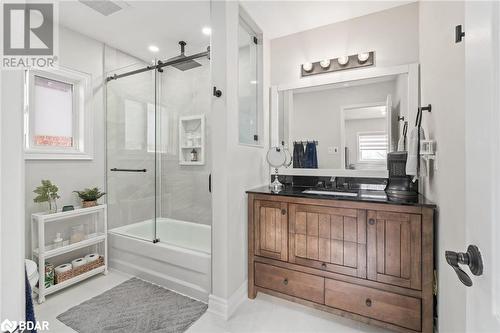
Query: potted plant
point(89, 196)
point(47, 192)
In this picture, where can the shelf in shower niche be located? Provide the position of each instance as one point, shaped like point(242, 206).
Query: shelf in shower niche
point(192, 136)
point(99, 238)
point(191, 163)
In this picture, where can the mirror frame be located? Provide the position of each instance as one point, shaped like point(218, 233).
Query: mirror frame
point(339, 77)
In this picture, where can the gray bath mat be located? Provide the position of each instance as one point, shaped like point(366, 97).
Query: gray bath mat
point(134, 306)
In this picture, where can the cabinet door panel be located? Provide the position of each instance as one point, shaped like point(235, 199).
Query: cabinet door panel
point(332, 239)
point(271, 231)
point(394, 248)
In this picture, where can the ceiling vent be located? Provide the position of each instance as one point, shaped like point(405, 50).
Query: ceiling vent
point(105, 7)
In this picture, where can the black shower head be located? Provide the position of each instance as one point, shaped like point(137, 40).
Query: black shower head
point(184, 65)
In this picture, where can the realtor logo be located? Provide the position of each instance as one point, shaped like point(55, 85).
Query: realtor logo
point(28, 29)
point(30, 35)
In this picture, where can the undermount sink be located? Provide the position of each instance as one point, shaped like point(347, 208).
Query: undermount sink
point(335, 193)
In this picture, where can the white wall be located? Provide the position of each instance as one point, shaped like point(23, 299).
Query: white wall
point(12, 227)
point(236, 168)
point(442, 85)
point(83, 54)
point(392, 34)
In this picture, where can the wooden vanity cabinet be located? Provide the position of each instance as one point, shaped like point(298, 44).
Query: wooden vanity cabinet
point(366, 261)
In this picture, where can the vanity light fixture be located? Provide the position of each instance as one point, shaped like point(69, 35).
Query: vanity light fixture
point(344, 60)
point(325, 63)
point(153, 48)
point(363, 57)
point(308, 67)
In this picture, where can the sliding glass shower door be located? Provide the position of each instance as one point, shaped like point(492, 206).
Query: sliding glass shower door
point(132, 157)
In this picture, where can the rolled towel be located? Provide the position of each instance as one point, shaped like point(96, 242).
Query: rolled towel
point(63, 268)
point(92, 257)
point(78, 262)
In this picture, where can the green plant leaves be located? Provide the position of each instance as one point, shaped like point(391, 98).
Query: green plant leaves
point(90, 194)
point(46, 191)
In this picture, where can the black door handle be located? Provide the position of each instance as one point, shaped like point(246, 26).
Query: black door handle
point(471, 258)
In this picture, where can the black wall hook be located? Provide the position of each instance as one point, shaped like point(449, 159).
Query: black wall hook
point(459, 34)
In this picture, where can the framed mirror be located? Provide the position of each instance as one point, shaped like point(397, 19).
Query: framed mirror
point(344, 124)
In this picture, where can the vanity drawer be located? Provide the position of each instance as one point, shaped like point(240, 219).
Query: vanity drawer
point(392, 308)
point(302, 285)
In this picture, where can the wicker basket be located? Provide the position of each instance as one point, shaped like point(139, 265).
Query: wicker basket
point(61, 277)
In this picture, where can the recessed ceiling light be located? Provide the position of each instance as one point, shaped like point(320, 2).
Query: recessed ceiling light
point(206, 31)
point(153, 48)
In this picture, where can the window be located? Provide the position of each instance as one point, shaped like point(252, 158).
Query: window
point(57, 119)
point(372, 147)
point(249, 78)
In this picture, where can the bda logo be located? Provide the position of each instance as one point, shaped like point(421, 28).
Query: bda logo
point(8, 326)
point(28, 29)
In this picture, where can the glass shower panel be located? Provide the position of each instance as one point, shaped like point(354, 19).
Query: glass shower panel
point(131, 154)
point(183, 100)
point(247, 85)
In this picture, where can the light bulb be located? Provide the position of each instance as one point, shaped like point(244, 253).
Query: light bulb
point(325, 63)
point(307, 67)
point(363, 57)
point(344, 60)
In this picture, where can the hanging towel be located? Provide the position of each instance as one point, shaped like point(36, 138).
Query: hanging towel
point(402, 144)
point(298, 155)
point(311, 156)
point(30, 312)
point(413, 166)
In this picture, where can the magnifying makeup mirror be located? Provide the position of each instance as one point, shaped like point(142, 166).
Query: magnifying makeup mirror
point(276, 157)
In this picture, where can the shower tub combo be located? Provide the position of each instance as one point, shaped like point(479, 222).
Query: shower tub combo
point(180, 261)
point(169, 252)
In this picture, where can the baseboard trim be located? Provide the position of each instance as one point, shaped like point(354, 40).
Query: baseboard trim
point(225, 308)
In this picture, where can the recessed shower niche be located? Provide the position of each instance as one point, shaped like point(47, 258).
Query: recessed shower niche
point(192, 140)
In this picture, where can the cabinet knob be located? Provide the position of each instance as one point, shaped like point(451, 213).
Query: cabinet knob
point(283, 212)
point(285, 281)
point(323, 265)
point(371, 221)
point(368, 302)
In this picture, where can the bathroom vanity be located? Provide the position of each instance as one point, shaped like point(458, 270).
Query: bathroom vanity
point(362, 257)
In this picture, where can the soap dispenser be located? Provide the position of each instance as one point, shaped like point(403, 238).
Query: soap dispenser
point(58, 240)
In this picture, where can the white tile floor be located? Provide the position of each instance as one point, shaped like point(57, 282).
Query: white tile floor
point(264, 314)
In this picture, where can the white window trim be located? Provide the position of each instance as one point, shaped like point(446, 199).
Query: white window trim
point(82, 115)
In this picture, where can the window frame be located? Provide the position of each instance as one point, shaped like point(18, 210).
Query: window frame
point(246, 22)
point(83, 143)
point(371, 162)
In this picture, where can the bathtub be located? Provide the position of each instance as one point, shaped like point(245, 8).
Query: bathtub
point(180, 261)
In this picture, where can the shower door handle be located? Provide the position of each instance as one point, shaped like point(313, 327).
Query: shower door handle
point(129, 170)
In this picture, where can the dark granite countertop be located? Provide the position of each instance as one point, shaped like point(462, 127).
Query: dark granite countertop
point(362, 196)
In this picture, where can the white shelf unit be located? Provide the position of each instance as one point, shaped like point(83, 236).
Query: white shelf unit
point(43, 252)
point(192, 136)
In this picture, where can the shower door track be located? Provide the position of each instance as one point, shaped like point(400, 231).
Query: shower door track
point(160, 65)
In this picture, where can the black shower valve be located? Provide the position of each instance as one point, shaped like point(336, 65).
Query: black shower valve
point(217, 92)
